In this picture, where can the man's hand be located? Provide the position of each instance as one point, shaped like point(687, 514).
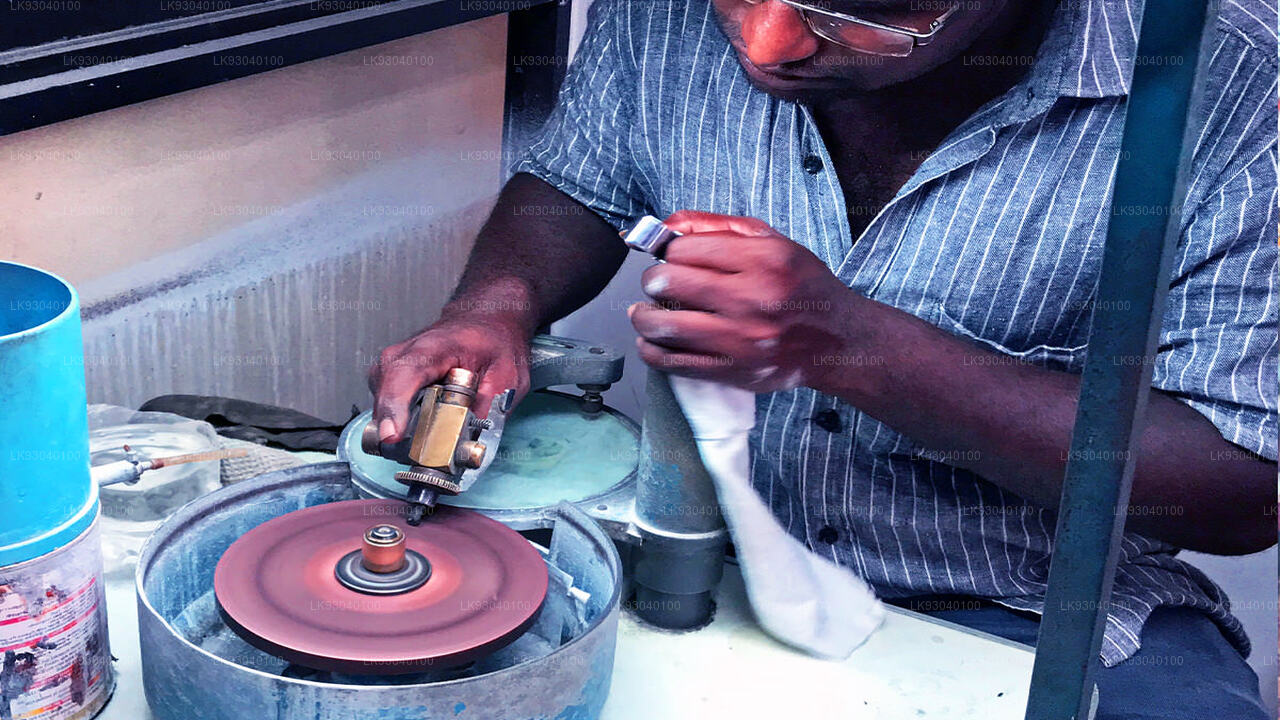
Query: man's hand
point(741, 304)
point(539, 257)
point(495, 348)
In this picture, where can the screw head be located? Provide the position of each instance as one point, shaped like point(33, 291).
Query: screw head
point(383, 534)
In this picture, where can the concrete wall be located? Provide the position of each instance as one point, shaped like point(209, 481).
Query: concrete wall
point(95, 195)
point(263, 238)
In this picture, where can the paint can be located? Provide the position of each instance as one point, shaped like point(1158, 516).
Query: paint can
point(55, 660)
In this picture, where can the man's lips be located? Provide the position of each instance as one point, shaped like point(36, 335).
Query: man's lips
point(774, 77)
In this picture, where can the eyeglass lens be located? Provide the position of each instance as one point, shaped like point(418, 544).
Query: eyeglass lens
point(864, 39)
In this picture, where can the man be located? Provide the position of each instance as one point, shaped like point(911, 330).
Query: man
point(894, 214)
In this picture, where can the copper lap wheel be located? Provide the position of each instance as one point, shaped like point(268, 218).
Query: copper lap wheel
point(276, 587)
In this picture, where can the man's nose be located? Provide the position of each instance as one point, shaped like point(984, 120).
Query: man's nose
point(775, 33)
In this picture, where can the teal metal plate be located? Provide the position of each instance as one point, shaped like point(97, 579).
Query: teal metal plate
point(550, 451)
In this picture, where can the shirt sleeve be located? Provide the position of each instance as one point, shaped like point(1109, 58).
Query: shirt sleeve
point(583, 149)
point(1218, 348)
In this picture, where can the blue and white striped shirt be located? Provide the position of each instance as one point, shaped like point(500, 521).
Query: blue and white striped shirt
point(996, 237)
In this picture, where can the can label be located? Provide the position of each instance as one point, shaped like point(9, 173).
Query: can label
point(53, 635)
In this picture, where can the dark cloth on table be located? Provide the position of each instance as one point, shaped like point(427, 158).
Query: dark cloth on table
point(255, 422)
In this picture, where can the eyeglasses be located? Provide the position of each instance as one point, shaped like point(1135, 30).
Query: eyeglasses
point(867, 35)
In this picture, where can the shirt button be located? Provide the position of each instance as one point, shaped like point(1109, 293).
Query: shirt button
point(812, 164)
point(828, 535)
point(828, 420)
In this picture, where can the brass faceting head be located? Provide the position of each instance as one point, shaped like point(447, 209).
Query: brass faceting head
point(444, 442)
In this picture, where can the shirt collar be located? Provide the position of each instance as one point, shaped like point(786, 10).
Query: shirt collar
point(1088, 51)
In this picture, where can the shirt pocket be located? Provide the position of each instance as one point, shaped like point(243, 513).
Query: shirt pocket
point(1052, 357)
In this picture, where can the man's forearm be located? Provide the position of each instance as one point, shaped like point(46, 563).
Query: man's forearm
point(1011, 423)
point(540, 256)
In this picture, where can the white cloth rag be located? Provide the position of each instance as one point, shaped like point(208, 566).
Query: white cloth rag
point(800, 598)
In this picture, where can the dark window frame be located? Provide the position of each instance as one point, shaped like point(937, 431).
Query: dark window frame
point(64, 79)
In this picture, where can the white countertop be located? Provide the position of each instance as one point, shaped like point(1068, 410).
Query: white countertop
point(912, 667)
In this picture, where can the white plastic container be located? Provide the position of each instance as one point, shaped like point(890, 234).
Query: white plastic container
point(53, 634)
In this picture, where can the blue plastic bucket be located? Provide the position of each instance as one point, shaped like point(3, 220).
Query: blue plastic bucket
point(47, 498)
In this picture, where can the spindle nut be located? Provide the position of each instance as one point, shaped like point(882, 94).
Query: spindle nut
point(383, 549)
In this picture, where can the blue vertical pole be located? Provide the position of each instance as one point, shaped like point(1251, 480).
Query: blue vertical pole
point(1146, 209)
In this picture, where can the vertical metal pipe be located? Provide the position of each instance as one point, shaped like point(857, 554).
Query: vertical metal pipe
point(1145, 221)
point(681, 555)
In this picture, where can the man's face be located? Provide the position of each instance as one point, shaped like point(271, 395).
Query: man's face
point(782, 56)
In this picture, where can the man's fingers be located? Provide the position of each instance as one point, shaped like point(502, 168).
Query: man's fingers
point(484, 399)
point(694, 365)
point(702, 332)
point(720, 368)
point(694, 221)
point(401, 379)
point(688, 288)
point(724, 251)
point(496, 380)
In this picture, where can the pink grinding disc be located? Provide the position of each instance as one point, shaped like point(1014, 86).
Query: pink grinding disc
point(276, 587)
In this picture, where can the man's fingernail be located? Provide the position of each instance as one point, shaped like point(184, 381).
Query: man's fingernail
point(631, 309)
point(767, 343)
point(656, 285)
point(386, 429)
